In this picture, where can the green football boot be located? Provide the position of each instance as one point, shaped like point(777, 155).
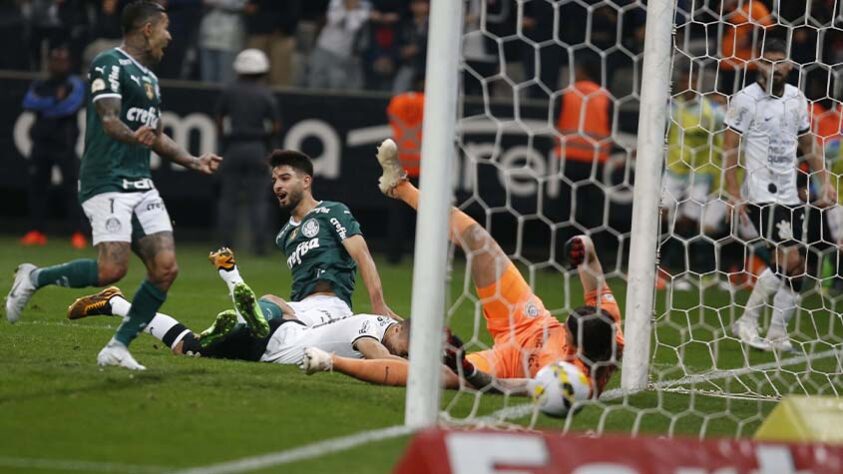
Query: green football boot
point(246, 304)
point(222, 326)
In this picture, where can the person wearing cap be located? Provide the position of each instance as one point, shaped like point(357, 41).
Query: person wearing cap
point(248, 120)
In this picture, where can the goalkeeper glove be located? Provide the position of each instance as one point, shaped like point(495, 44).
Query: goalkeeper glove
point(454, 356)
point(575, 251)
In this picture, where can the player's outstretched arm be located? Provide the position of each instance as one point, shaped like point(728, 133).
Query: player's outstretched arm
point(582, 255)
point(108, 109)
point(359, 251)
point(807, 144)
point(167, 148)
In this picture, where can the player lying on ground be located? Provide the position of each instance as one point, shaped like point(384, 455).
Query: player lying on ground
point(526, 336)
point(267, 335)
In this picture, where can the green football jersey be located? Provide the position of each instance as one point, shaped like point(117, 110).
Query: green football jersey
point(109, 165)
point(315, 251)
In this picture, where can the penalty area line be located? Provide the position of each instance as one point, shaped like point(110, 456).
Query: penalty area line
point(302, 453)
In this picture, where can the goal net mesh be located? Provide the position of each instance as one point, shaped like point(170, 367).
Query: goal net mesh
point(542, 157)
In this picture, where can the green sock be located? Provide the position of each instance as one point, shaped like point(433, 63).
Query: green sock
point(76, 274)
point(145, 304)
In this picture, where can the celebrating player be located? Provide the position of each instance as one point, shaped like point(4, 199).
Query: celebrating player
point(322, 242)
point(526, 336)
point(768, 121)
point(116, 189)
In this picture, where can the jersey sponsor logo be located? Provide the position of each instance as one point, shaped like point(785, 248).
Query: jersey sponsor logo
point(340, 229)
point(320, 210)
point(310, 228)
point(112, 224)
point(114, 78)
point(101, 69)
point(301, 251)
point(97, 85)
point(124, 62)
point(143, 116)
point(364, 329)
point(136, 79)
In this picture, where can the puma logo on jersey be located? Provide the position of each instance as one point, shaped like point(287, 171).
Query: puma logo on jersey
point(136, 79)
point(785, 230)
point(301, 250)
point(146, 117)
point(101, 69)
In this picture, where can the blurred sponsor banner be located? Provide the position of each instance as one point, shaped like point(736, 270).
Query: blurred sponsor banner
point(503, 161)
point(487, 452)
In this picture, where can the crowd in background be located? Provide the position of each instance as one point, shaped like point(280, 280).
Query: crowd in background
point(380, 45)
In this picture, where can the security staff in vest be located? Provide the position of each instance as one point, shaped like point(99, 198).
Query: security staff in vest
point(406, 114)
point(249, 122)
point(585, 140)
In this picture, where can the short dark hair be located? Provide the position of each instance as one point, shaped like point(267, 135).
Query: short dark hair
point(292, 158)
point(593, 330)
point(139, 12)
point(774, 45)
point(590, 63)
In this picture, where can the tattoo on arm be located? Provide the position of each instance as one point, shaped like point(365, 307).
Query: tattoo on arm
point(108, 110)
point(167, 148)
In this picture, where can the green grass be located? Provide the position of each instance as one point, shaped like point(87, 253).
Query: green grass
point(182, 412)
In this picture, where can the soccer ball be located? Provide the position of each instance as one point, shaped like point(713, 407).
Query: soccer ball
point(557, 387)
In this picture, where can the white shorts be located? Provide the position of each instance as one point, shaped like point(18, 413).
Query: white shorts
point(686, 193)
point(318, 309)
point(121, 217)
point(834, 217)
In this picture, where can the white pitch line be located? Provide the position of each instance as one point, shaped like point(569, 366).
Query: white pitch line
point(76, 465)
point(305, 452)
point(520, 411)
point(65, 325)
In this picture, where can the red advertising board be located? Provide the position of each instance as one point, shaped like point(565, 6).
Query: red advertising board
point(487, 452)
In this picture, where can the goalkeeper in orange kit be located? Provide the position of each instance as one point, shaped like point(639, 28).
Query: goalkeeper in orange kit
point(526, 336)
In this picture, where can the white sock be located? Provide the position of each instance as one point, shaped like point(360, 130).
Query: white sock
point(120, 306)
point(768, 283)
point(231, 278)
point(161, 326)
point(784, 305)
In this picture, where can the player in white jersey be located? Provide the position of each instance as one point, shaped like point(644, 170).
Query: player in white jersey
point(281, 340)
point(768, 121)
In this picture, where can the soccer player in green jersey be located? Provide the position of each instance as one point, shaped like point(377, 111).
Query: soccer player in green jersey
point(323, 244)
point(115, 185)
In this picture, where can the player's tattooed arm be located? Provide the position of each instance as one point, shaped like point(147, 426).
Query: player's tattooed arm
point(167, 148)
point(108, 109)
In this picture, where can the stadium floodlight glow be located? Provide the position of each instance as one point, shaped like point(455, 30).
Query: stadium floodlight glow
point(431, 252)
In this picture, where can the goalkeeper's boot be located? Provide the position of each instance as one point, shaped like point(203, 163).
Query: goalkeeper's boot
point(223, 259)
point(316, 360)
point(246, 303)
point(98, 304)
point(748, 334)
point(22, 290)
point(115, 353)
point(393, 173)
point(223, 325)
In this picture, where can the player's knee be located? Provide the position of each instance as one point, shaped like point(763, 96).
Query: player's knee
point(111, 272)
point(165, 274)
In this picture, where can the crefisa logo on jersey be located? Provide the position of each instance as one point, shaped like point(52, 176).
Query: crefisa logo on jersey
point(310, 228)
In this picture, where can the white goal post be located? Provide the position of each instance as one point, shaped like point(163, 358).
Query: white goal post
point(652, 119)
point(431, 252)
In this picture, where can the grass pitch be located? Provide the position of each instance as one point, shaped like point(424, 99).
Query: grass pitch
point(61, 413)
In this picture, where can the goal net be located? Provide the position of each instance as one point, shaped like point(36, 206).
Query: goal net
point(550, 107)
